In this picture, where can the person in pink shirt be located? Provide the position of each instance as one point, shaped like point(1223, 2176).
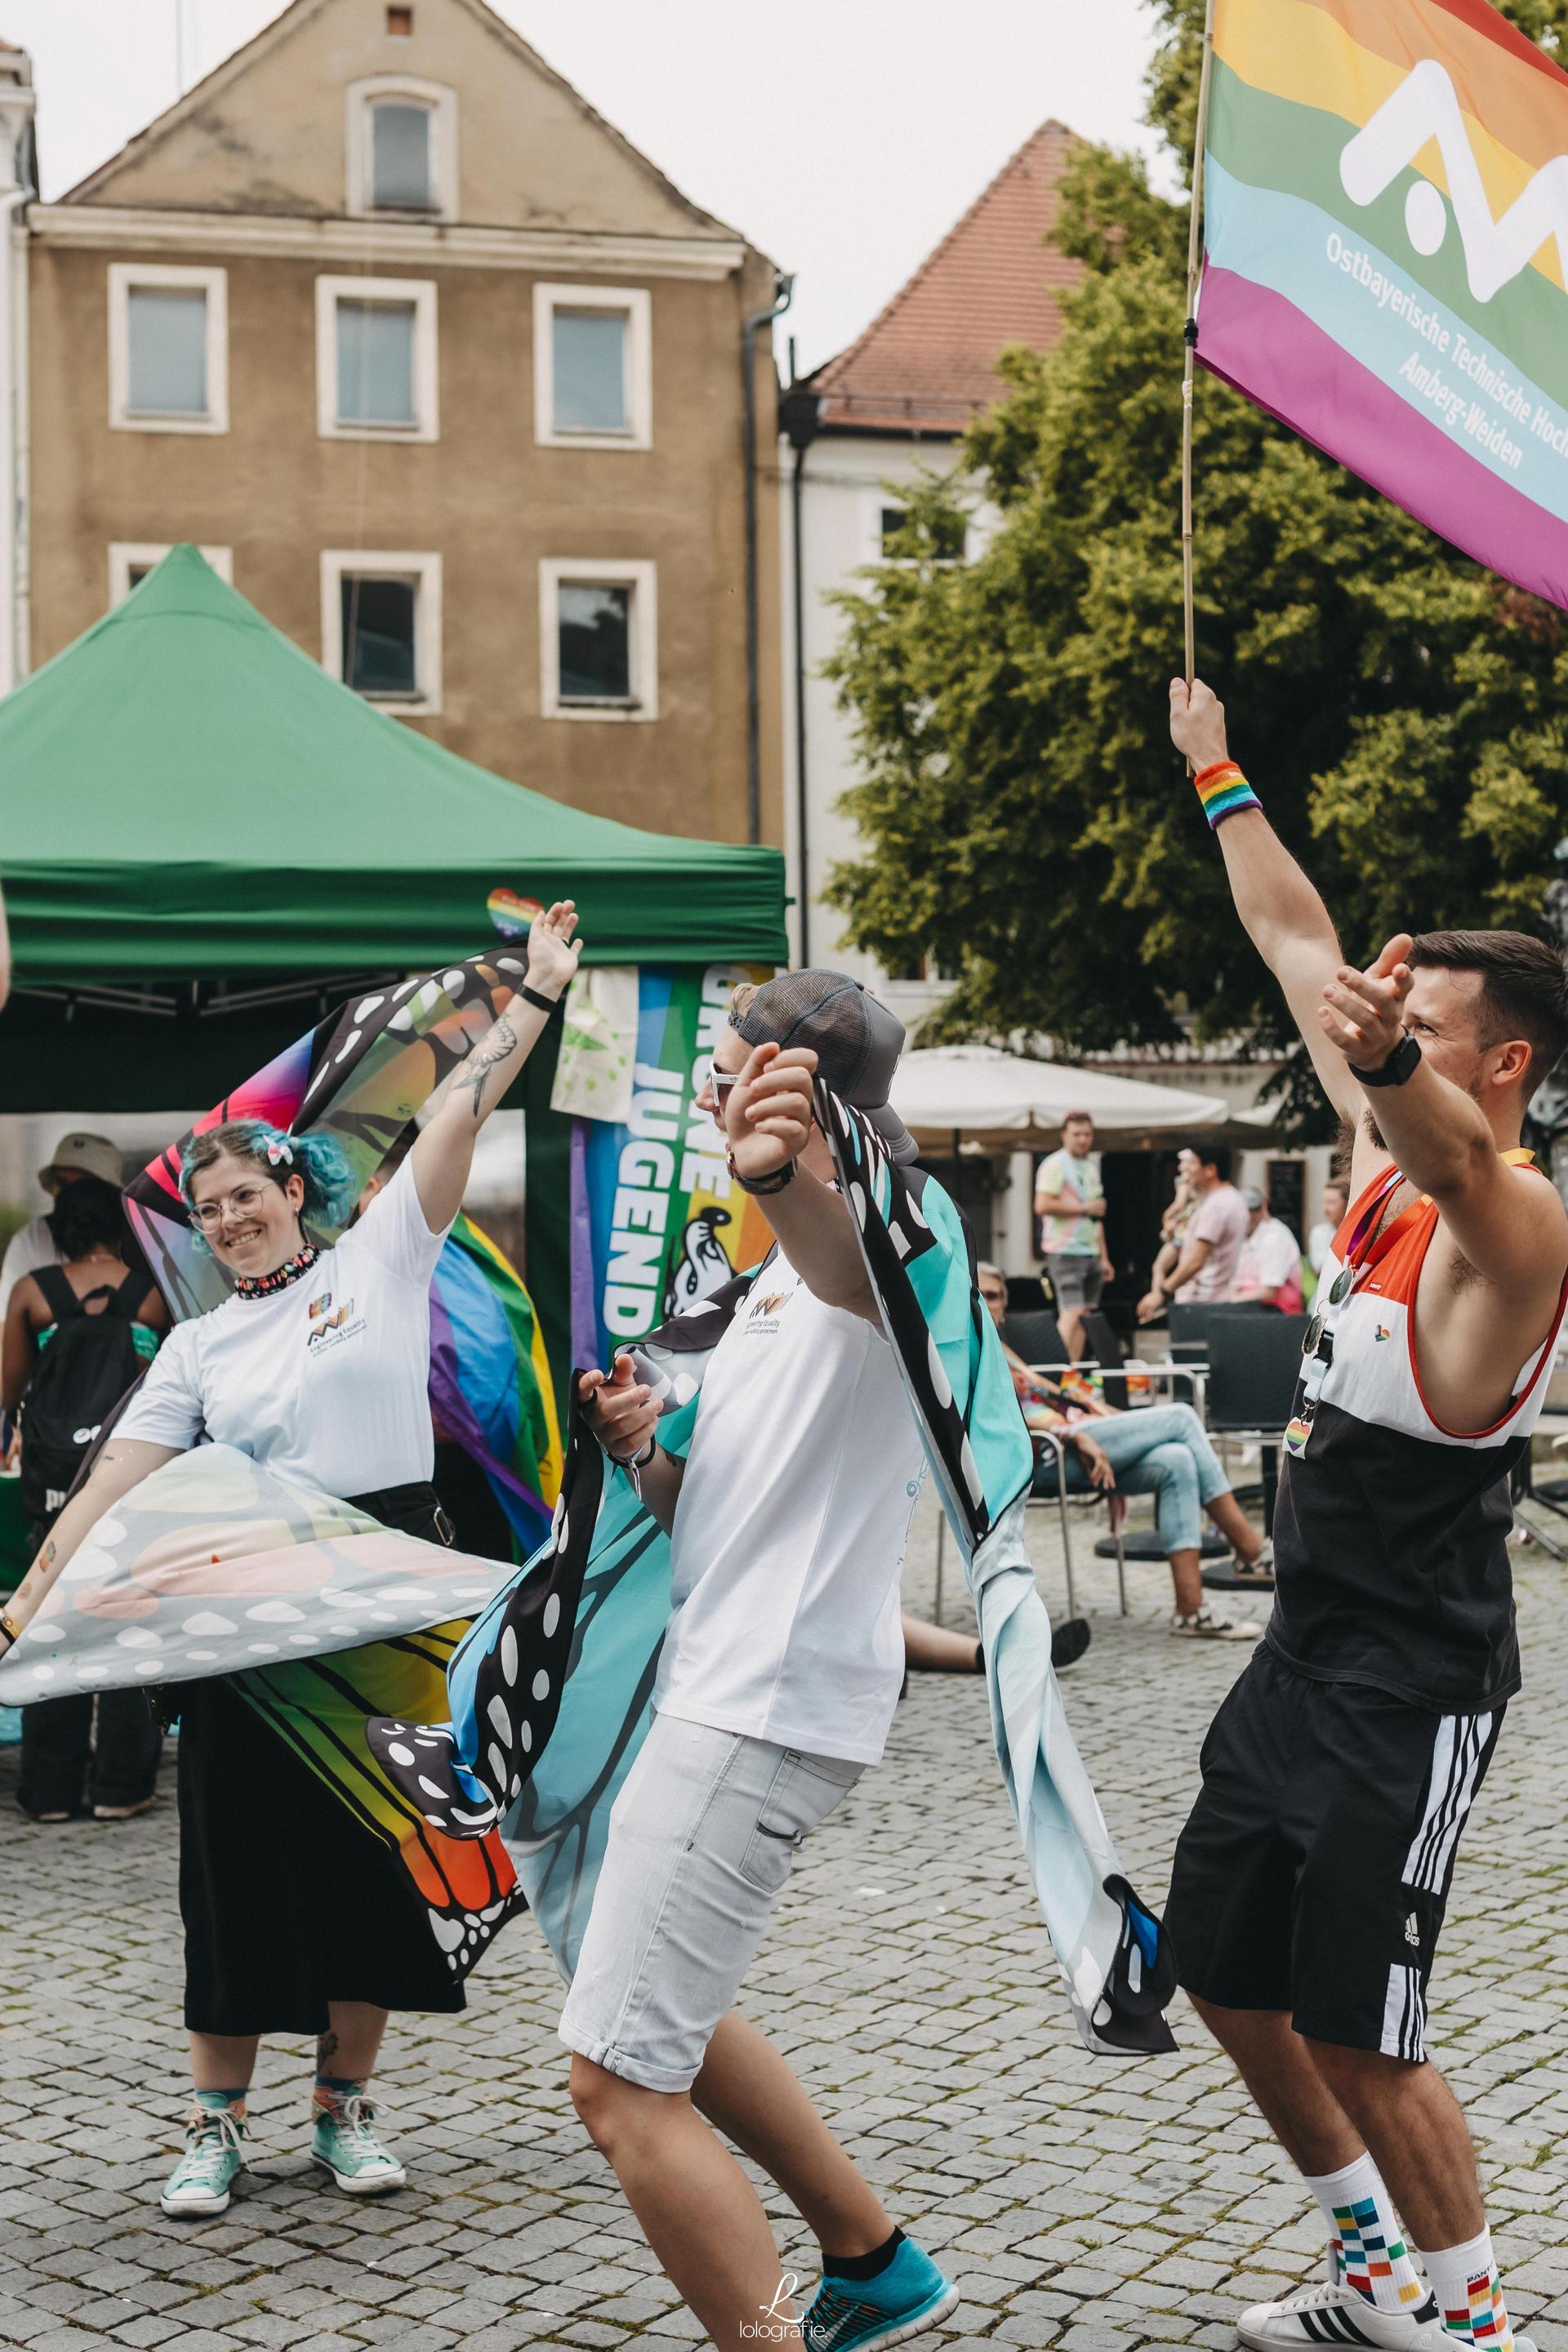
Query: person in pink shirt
point(1204, 1274)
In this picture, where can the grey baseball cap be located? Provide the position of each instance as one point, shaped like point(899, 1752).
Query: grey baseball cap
point(856, 1042)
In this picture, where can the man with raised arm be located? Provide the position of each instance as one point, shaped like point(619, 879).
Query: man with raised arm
point(1311, 1880)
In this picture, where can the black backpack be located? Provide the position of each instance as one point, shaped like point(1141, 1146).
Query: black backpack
point(81, 1375)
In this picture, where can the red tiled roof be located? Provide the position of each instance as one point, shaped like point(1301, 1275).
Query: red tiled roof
point(928, 360)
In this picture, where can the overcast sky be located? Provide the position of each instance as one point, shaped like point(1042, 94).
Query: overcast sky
point(842, 136)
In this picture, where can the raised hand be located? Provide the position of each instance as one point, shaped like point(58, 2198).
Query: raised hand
point(1362, 1011)
point(622, 1414)
point(553, 952)
point(1197, 722)
point(768, 1116)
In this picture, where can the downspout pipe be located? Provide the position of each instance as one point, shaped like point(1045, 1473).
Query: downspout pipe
point(784, 291)
point(800, 413)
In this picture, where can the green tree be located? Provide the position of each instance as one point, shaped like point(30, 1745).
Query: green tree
point(1403, 711)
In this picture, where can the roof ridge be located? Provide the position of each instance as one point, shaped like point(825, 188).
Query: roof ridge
point(293, 19)
point(921, 273)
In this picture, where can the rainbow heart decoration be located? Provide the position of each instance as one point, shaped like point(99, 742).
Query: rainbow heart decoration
point(512, 915)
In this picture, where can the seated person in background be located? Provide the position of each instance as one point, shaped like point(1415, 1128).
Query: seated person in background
point(113, 1318)
point(1270, 1267)
point(1159, 1450)
point(1336, 1200)
point(1178, 1216)
point(1204, 1274)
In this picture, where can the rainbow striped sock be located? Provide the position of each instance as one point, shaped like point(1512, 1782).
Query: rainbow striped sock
point(1370, 2252)
point(1223, 791)
point(1469, 2294)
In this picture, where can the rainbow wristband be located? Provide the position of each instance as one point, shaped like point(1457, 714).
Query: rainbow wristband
point(1223, 791)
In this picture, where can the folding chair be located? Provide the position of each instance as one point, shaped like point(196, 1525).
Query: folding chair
point(1254, 1368)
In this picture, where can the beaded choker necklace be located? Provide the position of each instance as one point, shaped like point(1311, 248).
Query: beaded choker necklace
point(262, 1285)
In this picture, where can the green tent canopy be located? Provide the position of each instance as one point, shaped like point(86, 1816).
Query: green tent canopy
point(195, 820)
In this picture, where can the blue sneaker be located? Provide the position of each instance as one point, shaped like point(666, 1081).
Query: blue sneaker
point(858, 2314)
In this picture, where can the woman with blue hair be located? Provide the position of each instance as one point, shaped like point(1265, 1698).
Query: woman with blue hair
point(298, 1920)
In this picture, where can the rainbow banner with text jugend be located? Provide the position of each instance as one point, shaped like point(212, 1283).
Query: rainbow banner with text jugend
point(1385, 240)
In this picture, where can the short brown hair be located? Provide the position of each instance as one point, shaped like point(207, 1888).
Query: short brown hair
point(1524, 989)
point(742, 1000)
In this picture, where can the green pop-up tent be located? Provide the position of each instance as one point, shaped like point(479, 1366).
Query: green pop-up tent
point(204, 840)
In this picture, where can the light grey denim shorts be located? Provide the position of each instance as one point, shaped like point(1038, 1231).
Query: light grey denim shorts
point(702, 1838)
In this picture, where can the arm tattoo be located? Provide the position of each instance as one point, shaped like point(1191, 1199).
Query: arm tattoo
point(475, 1074)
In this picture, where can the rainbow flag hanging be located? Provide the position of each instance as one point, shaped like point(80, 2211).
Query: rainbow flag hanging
point(489, 1379)
point(1386, 237)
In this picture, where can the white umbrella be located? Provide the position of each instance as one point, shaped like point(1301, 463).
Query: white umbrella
point(1006, 1102)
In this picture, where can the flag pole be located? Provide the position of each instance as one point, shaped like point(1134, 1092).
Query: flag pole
point(1190, 338)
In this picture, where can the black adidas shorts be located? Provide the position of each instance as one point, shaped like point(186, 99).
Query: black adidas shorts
point(1313, 1873)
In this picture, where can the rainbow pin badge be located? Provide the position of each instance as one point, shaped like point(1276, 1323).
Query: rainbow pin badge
point(512, 915)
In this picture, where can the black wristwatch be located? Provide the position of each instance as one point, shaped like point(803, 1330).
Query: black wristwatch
point(1396, 1069)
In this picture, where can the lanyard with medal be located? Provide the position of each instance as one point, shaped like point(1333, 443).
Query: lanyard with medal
point(1362, 1254)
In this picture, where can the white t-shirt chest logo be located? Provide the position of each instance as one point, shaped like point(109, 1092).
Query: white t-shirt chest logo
point(764, 1313)
point(331, 1323)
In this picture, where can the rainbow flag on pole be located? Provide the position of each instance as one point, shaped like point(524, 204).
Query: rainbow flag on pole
point(1386, 237)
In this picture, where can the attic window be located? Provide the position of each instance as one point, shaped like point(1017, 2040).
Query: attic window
point(401, 142)
point(400, 24)
point(400, 157)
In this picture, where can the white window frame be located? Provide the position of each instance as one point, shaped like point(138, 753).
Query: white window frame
point(636, 302)
point(642, 579)
point(377, 563)
point(878, 499)
point(214, 283)
point(421, 293)
point(441, 100)
point(123, 554)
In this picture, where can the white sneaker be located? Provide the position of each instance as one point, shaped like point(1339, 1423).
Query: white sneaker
point(1324, 2314)
point(1206, 1625)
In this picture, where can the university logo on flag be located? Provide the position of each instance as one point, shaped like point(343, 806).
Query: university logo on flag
point(1386, 253)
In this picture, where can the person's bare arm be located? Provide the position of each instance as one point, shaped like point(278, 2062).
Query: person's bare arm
point(444, 1152)
point(1188, 1266)
point(1058, 1204)
point(1280, 910)
point(1514, 1233)
point(19, 1347)
point(768, 1123)
point(124, 1463)
point(624, 1417)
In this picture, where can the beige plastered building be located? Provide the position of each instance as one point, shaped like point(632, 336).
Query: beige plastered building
point(448, 378)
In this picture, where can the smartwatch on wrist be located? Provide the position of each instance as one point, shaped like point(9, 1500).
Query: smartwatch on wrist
point(1396, 1069)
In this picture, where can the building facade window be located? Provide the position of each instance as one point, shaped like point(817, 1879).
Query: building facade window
point(131, 560)
point(381, 626)
point(593, 385)
point(949, 536)
point(168, 349)
point(376, 371)
point(400, 142)
point(598, 639)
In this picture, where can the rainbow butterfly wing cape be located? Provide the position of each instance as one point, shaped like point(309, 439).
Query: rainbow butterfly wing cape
point(360, 1075)
point(1386, 237)
point(606, 1573)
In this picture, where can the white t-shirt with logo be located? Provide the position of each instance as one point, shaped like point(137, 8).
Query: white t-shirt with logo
point(790, 1530)
point(326, 1382)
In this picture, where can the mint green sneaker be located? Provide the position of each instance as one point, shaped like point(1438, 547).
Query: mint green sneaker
point(343, 2141)
point(214, 2155)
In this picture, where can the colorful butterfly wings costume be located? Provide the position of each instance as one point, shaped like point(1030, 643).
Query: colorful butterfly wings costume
point(550, 1691)
point(360, 1075)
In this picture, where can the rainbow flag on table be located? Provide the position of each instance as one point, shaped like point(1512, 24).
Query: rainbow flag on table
point(1386, 236)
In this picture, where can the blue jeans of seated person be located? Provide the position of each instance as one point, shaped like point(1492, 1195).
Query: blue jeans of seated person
point(1159, 1450)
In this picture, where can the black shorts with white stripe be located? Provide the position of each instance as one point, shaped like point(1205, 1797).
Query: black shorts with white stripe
point(1313, 1873)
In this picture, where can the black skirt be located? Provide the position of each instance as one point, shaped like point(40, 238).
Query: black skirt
point(289, 1903)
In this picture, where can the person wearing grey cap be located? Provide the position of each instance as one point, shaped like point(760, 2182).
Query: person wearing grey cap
point(776, 1683)
point(33, 1244)
point(1270, 1267)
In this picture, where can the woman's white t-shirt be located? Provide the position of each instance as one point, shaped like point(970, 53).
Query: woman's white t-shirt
point(326, 1382)
point(790, 1530)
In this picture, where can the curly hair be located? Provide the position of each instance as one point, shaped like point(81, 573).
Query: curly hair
point(87, 1209)
point(320, 1161)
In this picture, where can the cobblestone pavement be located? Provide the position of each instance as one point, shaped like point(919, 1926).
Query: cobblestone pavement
point(1081, 2202)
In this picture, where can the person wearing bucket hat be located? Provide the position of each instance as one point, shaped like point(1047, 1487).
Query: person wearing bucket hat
point(33, 1244)
point(778, 1681)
